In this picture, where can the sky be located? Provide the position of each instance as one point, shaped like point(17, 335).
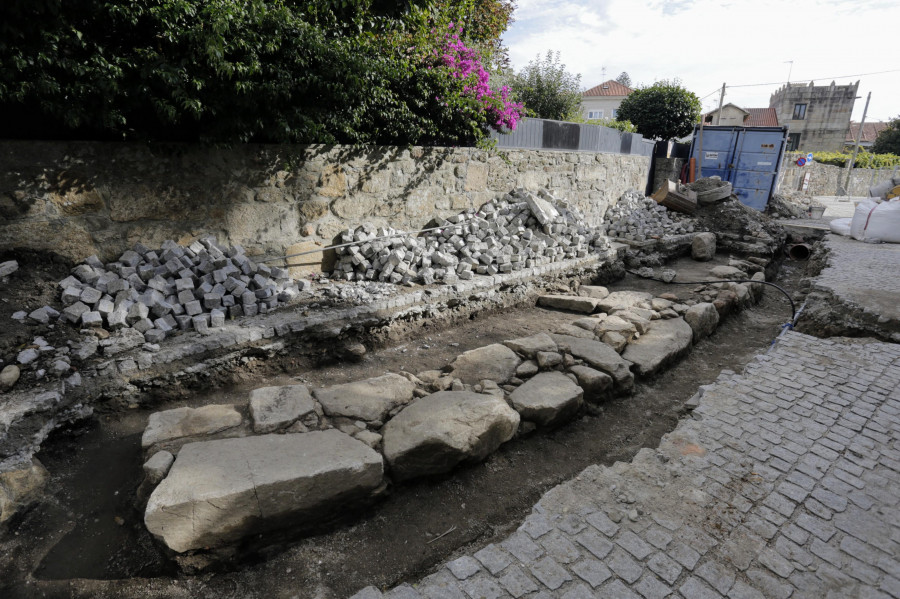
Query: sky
point(706, 43)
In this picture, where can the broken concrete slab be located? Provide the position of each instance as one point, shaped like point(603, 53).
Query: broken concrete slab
point(495, 362)
point(182, 424)
point(219, 492)
point(549, 399)
point(622, 300)
point(642, 325)
point(596, 291)
point(569, 302)
point(665, 342)
point(528, 347)
point(275, 408)
point(616, 324)
point(370, 399)
point(600, 356)
point(703, 319)
point(437, 432)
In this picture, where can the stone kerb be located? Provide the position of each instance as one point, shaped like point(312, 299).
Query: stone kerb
point(482, 399)
point(82, 198)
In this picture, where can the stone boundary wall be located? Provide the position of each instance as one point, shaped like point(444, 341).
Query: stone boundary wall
point(83, 198)
point(828, 180)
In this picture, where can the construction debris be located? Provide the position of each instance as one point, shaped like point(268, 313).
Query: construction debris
point(637, 218)
point(518, 231)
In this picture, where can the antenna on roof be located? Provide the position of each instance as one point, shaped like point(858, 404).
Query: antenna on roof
point(603, 73)
point(791, 68)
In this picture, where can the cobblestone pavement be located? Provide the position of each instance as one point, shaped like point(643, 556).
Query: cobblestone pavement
point(785, 483)
point(864, 274)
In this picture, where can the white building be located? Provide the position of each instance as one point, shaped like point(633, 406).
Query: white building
point(602, 101)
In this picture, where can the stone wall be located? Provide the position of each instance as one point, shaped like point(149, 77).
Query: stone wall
point(83, 198)
point(828, 180)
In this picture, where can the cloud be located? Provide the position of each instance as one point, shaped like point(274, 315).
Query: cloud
point(707, 42)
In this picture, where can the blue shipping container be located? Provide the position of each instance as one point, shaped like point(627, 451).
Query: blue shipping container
point(747, 157)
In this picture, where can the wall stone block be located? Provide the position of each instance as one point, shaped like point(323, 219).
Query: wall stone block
point(83, 198)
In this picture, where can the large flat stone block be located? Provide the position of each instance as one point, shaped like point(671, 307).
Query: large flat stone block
point(369, 399)
point(218, 492)
point(439, 431)
point(664, 343)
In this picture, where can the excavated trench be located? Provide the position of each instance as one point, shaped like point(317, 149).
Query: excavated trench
point(88, 540)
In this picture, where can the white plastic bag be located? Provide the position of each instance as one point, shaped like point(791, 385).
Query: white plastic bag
point(841, 226)
point(872, 221)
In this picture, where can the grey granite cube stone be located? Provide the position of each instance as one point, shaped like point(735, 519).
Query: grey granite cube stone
point(142, 325)
point(91, 296)
point(201, 323)
point(92, 319)
point(217, 318)
point(193, 308)
point(211, 300)
point(154, 336)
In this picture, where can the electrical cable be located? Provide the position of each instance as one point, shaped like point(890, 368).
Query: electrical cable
point(815, 78)
point(781, 289)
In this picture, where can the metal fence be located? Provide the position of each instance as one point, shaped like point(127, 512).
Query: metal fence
point(544, 134)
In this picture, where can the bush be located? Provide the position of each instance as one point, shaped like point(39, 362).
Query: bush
point(315, 71)
point(547, 90)
point(623, 126)
point(664, 110)
point(888, 141)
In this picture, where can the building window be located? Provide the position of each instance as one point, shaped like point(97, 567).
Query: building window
point(799, 112)
point(793, 142)
point(615, 112)
point(595, 114)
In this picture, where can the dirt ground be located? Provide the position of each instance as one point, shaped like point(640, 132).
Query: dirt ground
point(33, 285)
point(87, 540)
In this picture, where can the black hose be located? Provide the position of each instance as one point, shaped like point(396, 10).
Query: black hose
point(786, 294)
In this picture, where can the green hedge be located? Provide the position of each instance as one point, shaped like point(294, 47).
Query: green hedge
point(863, 159)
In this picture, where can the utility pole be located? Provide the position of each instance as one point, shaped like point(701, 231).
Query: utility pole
point(721, 99)
point(862, 124)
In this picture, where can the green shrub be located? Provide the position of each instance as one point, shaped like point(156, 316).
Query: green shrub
point(863, 159)
point(306, 71)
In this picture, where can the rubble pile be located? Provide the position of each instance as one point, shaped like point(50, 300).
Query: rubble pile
point(156, 292)
point(638, 218)
point(520, 230)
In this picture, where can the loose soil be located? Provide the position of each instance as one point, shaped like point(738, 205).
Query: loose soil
point(87, 540)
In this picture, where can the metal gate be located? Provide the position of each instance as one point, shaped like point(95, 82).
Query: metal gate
point(749, 158)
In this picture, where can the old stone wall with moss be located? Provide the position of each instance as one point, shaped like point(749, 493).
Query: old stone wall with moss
point(83, 198)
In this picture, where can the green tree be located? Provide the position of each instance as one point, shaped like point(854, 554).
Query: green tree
point(547, 89)
point(664, 110)
point(624, 79)
point(888, 141)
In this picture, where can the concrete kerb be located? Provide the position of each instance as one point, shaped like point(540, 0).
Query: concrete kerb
point(125, 375)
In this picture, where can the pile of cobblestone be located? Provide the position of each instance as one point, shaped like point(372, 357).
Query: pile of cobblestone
point(157, 292)
point(520, 230)
point(638, 218)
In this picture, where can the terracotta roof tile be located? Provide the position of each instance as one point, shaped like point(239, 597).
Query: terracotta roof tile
point(870, 131)
point(609, 88)
point(761, 117)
